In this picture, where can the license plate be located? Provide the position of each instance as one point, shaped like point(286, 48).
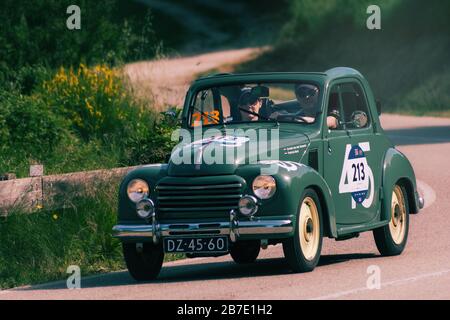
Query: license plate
point(197, 244)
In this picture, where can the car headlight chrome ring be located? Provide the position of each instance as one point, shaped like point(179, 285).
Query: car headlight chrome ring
point(145, 208)
point(264, 187)
point(137, 190)
point(248, 205)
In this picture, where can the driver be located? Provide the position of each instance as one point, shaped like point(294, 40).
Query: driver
point(251, 103)
point(308, 96)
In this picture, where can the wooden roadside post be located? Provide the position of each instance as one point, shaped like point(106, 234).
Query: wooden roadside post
point(52, 192)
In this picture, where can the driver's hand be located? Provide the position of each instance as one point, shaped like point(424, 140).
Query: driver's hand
point(309, 119)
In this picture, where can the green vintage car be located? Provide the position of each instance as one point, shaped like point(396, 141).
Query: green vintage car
point(268, 158)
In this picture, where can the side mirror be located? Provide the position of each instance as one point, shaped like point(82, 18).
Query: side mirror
point(171, 117)
point(378, 103)
point(359, 119)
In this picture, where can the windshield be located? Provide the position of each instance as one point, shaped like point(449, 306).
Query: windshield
point(298, 102)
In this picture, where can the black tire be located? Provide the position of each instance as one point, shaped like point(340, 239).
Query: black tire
point(146, 264)
point(292, 247)
point(245, 251)
point(384, 237)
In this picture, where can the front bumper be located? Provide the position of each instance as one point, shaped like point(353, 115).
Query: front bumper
point(420, 202)
point(257, 228)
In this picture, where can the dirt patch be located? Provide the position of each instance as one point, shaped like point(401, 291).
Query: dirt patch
point(165, 81)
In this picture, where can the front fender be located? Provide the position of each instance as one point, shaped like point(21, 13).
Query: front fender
point(310, 178)
point(149, 173)
point(398, 169)
point(292, 179)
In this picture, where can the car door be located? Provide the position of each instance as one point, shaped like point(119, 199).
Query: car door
point(348, 156)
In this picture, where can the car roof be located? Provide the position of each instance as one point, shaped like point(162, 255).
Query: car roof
point(321, 77)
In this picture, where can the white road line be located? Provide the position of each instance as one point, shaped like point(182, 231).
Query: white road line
point(426, 192)
point(386, 284)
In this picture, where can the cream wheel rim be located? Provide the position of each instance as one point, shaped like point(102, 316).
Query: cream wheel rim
point(397, 225)
point(309, 228)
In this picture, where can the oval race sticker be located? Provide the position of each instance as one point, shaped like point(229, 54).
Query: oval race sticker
point(358, 167)
point(357, 177)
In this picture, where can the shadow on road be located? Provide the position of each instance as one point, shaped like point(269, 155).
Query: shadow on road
point(420, 135)
point(204, 271)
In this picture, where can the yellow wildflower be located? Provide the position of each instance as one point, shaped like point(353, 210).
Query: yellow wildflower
point(89, 107)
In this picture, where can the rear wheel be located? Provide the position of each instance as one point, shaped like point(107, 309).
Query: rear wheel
point(391, 239)
point(245, 251)
point(302, 251)
point(143, 262)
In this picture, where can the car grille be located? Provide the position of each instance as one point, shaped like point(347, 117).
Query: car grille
point(200, 197)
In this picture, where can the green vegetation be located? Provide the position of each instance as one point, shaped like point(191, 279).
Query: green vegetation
point(112, 31)
point(406, 62)
point(80, 119)
point(65, 103)
point(63, 99)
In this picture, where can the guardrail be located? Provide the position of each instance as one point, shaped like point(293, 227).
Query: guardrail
point(53, 191)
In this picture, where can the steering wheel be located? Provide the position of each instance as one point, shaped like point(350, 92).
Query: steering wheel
point(292, 117)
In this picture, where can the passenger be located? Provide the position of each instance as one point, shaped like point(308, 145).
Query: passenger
point(249, 106)
point(308, 96)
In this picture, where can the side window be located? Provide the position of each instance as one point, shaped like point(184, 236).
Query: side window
point(353, 100)
point(204, 102)
point(334, 105)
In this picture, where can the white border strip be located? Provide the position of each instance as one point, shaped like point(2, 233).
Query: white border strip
point(386, 284)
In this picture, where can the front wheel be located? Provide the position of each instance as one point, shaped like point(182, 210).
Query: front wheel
point(391, 239)
point(144, 263)
point(302, 251)
point(245, 251)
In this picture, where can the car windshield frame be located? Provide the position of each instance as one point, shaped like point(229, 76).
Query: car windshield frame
point(195, 93)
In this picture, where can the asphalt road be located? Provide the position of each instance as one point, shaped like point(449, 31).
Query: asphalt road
point(421, 272)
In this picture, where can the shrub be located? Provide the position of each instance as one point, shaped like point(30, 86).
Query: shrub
point(154, 146)
point(309, 18)
point(27, 126)
point(117, 30)
point(95, 101)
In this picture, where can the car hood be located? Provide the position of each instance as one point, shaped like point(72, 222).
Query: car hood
point(222, 153)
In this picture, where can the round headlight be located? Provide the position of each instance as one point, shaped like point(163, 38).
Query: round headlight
point(137, 190)
point(145, 208)
point(264, 187)
point(248, 205)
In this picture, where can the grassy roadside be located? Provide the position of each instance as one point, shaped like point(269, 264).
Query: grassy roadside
point(39, 247)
